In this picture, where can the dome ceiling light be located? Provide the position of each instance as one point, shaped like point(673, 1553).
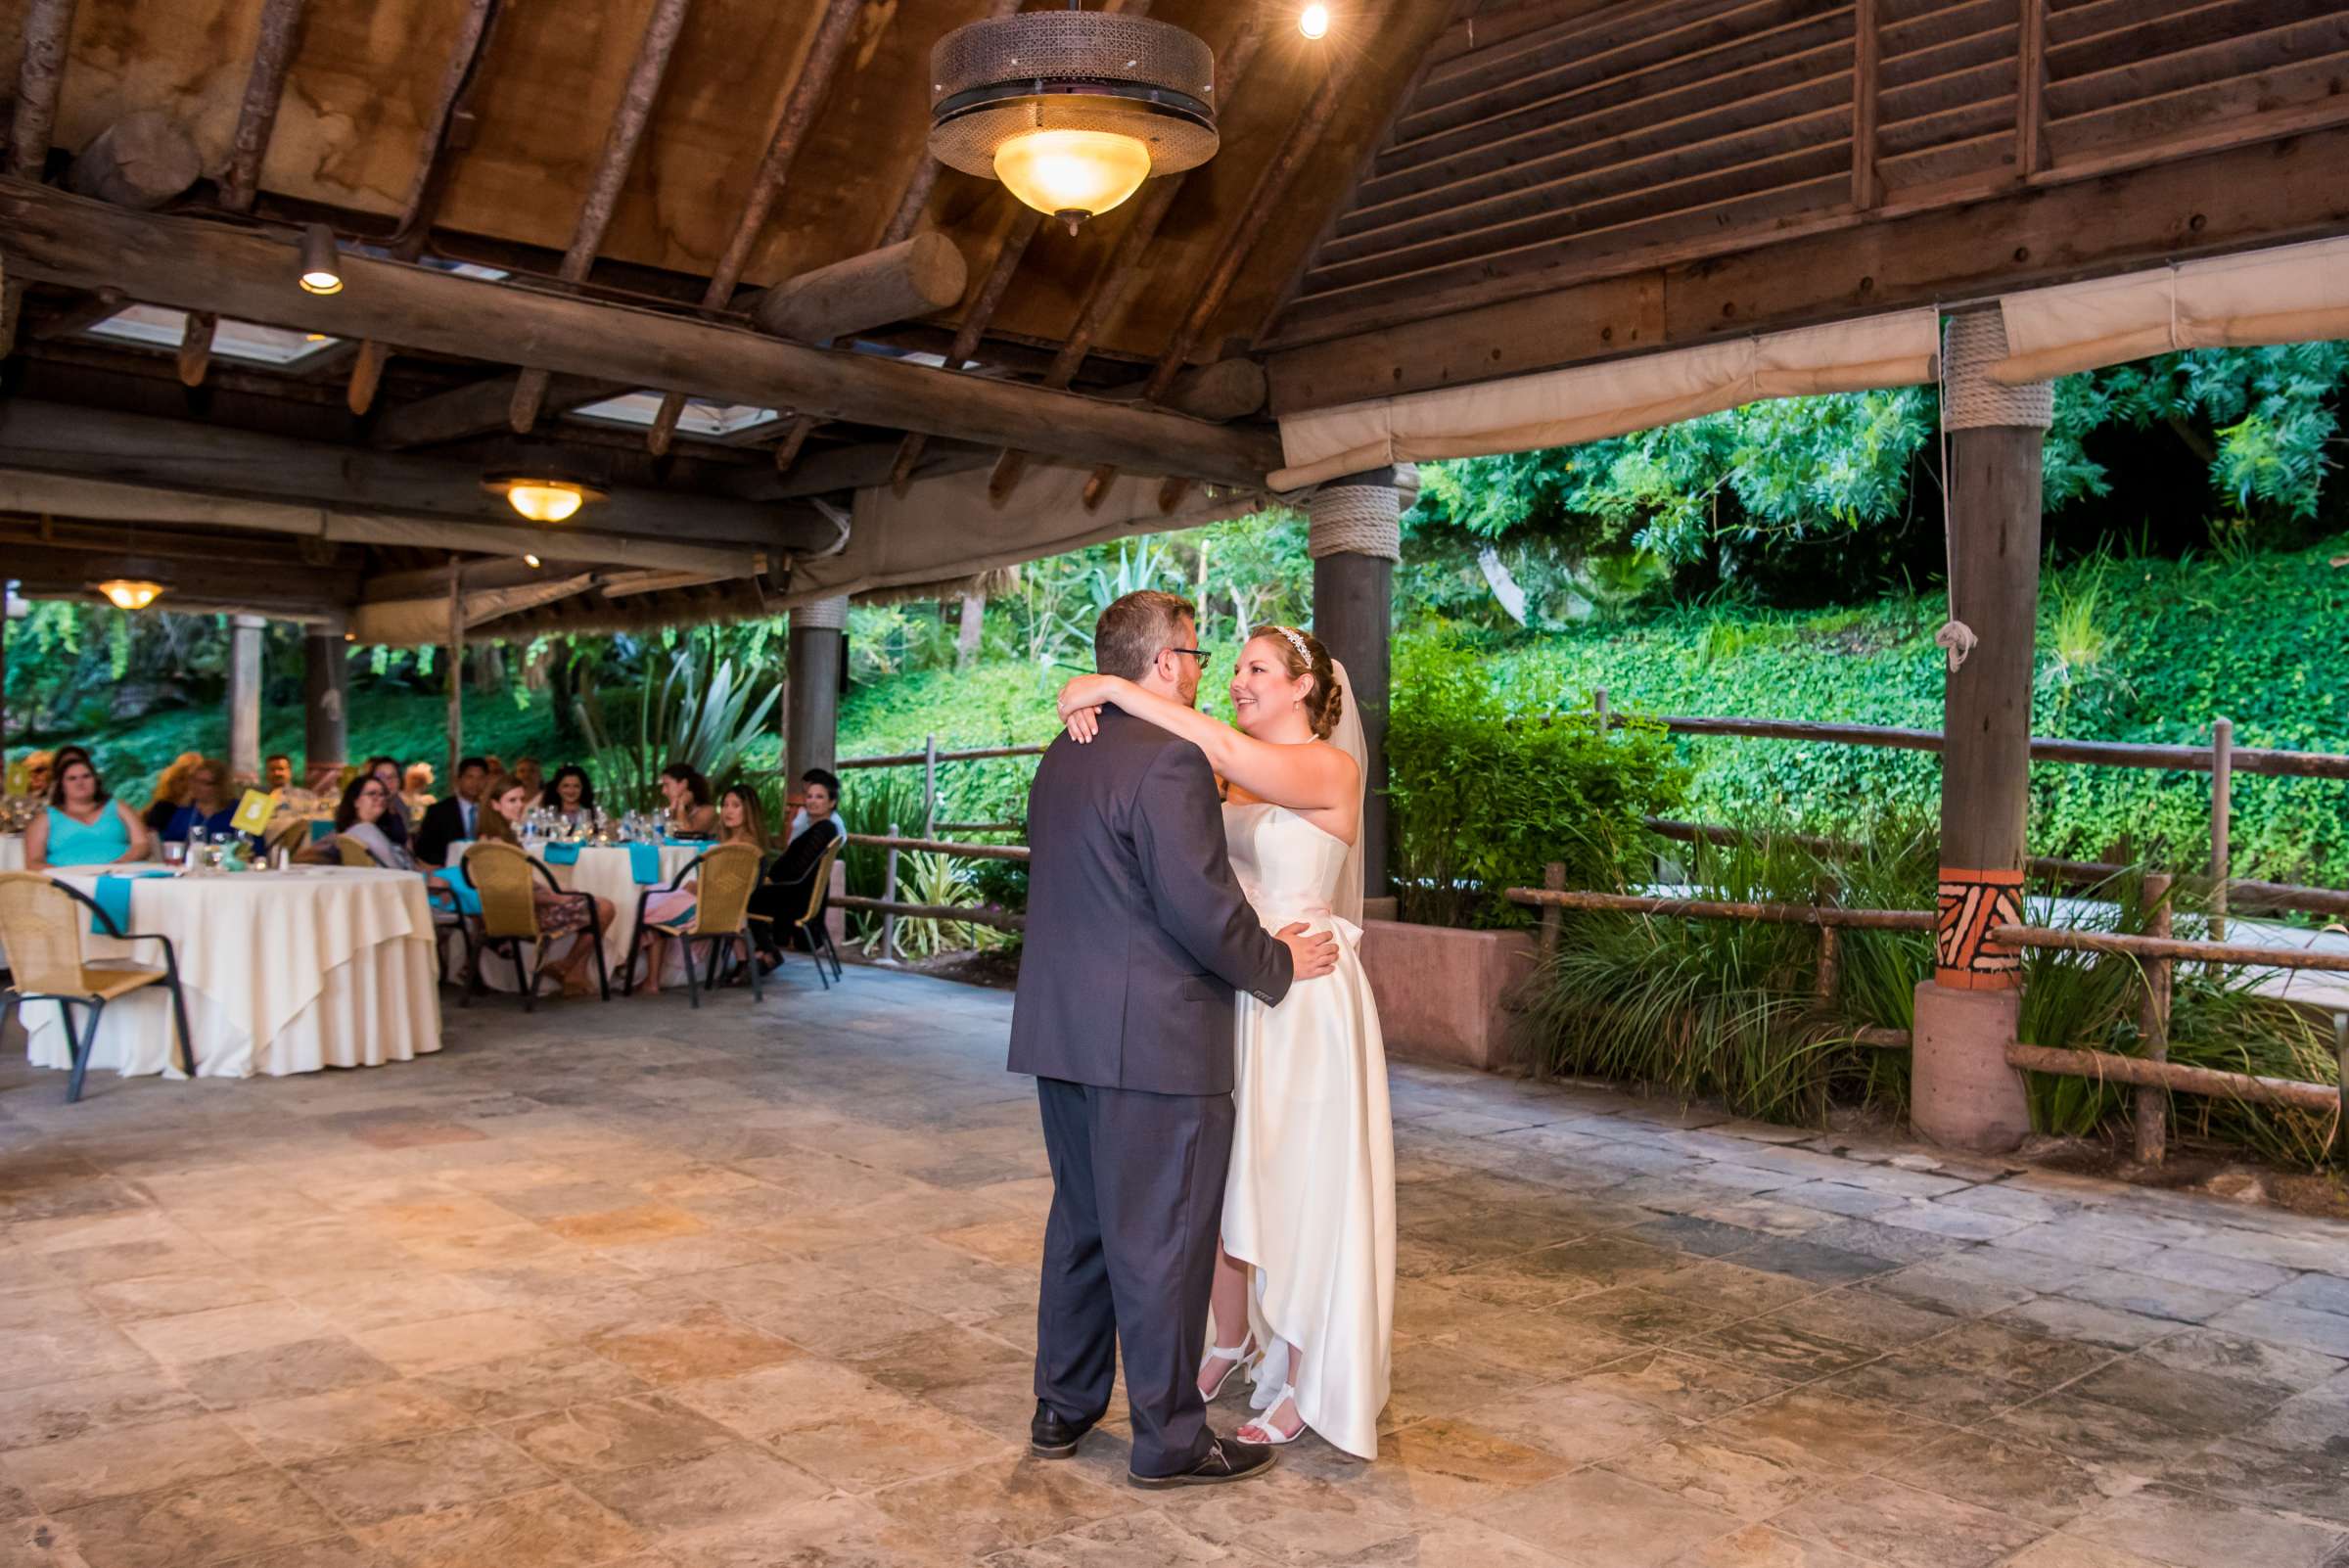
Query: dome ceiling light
point(1072, 109)
point(131, 593)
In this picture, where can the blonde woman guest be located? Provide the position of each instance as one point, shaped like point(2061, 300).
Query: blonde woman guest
point(171, 790)
point(210, 805)
point(666, 914)
point(501, 807)
point(83, 825)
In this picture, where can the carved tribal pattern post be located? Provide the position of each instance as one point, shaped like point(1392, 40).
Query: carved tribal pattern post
point(1971, 904)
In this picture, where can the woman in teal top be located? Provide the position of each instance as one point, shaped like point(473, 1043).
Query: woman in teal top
point(82, 825)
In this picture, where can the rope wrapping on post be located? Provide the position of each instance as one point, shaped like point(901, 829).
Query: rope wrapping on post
point(821, 615)
point(1973, 342)
point(1356, 516)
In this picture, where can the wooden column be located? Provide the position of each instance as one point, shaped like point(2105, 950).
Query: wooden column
point(1354, 537)
point(812, 719)
point(245, 696)
point(1965, 1095)
point(326, 705)
point(456, 668)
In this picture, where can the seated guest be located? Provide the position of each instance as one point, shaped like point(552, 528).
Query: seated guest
point(573, 795)
point(40, 771)
point(668, 913)
point(210, 805)
point(82, 825)
point(687, 812)
point(416, 789)
point(791, 880)
point(453, 818)
point(525, 769)
point(500, 807)
point(276, 774)
point(171, 790)
point(395, 825)
point(359, 815)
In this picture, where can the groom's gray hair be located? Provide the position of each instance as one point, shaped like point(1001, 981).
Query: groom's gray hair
point(1131, 631)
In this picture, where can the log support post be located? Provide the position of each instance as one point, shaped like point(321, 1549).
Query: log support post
point(1965, 1095)
point(456, 667)
point(325, 704)
point(812, 701)
point(1354, 537)
point(244, 697)
point(2222, 819)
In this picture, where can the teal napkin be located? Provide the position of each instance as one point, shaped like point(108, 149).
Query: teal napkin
point(644, 863)
point(561, 854)
point(113, 894)
point(468, 901)
point(321, 829)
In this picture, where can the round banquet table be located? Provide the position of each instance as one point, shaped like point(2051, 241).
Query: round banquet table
point(283, 971)
point(607, 871)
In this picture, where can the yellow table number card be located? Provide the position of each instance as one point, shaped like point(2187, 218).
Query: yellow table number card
point(253, 812)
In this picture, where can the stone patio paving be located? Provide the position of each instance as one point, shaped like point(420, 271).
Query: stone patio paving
point(637, 1285)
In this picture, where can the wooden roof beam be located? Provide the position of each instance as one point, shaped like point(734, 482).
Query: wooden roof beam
point(799, 106)
point(257, 116)
point(479, 407)
point(48, 235)
point(173, 454)
point(635, 112)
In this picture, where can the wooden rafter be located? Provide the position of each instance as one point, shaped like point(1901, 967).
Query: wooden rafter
point(911, 203)
point(799, 106)
point(1867, 75)
point(442, 138)
point(48, 30)
point(620, 142)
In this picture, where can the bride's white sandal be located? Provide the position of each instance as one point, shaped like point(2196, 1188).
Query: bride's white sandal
point(1237, 1355)
point(1274, 1437)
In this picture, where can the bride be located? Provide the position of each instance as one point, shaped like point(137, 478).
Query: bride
point(1305, 1284)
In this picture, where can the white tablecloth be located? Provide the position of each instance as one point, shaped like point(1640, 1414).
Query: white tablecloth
point(608, 871)
point(283, 971)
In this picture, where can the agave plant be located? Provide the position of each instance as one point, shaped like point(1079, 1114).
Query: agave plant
point(701, 714)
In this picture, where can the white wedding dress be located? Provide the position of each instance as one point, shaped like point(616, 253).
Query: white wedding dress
point(1309, 1200)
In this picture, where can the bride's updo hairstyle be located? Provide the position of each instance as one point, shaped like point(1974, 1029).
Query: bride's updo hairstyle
point(1302, 653)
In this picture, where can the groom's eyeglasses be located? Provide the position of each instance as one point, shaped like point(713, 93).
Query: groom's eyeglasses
point(1199, 654)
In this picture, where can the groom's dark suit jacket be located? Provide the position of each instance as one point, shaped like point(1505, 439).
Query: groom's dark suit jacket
point(1137, 934)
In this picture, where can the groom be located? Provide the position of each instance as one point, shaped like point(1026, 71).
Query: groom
point(1138, 937)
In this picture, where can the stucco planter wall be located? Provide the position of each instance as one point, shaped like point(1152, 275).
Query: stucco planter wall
point(1443, 994)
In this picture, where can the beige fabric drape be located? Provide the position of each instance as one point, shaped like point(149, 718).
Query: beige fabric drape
point(1563, 407)
point(411, 623)
point(2288, 294)
point(945, 528)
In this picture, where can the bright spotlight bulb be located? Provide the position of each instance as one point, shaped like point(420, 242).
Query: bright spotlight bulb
point(1072, 175)
point(131, 593)
point(1313, 21)
point(544, 501)
point(321, 273)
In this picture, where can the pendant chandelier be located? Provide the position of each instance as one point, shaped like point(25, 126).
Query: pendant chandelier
point(1072, 109)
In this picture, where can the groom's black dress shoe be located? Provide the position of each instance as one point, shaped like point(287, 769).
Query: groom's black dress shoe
point(1227, 1459)
point(1051, 1438)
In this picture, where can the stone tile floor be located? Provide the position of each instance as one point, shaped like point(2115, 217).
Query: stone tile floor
point(635, 1285)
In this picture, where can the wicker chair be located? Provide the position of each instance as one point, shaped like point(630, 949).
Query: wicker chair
point(285, 832)
point(41, 924)
point(355, 854)
point(812, 919)
point(501, 874)
point(721, 914)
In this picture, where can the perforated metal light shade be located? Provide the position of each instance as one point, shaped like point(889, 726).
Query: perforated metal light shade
point(995, 83)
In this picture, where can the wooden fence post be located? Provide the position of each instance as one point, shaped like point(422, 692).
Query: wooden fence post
point(2340, 1054)
point(929, 789)
point(1830, 949)
point(2222, 815)
point(1554, 878)
point(888, 890)
point(2153, 1023)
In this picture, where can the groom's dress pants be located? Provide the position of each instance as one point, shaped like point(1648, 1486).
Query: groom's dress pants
point(1130, 1255)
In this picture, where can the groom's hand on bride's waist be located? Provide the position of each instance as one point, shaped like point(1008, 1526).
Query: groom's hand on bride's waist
point(1311, 953)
